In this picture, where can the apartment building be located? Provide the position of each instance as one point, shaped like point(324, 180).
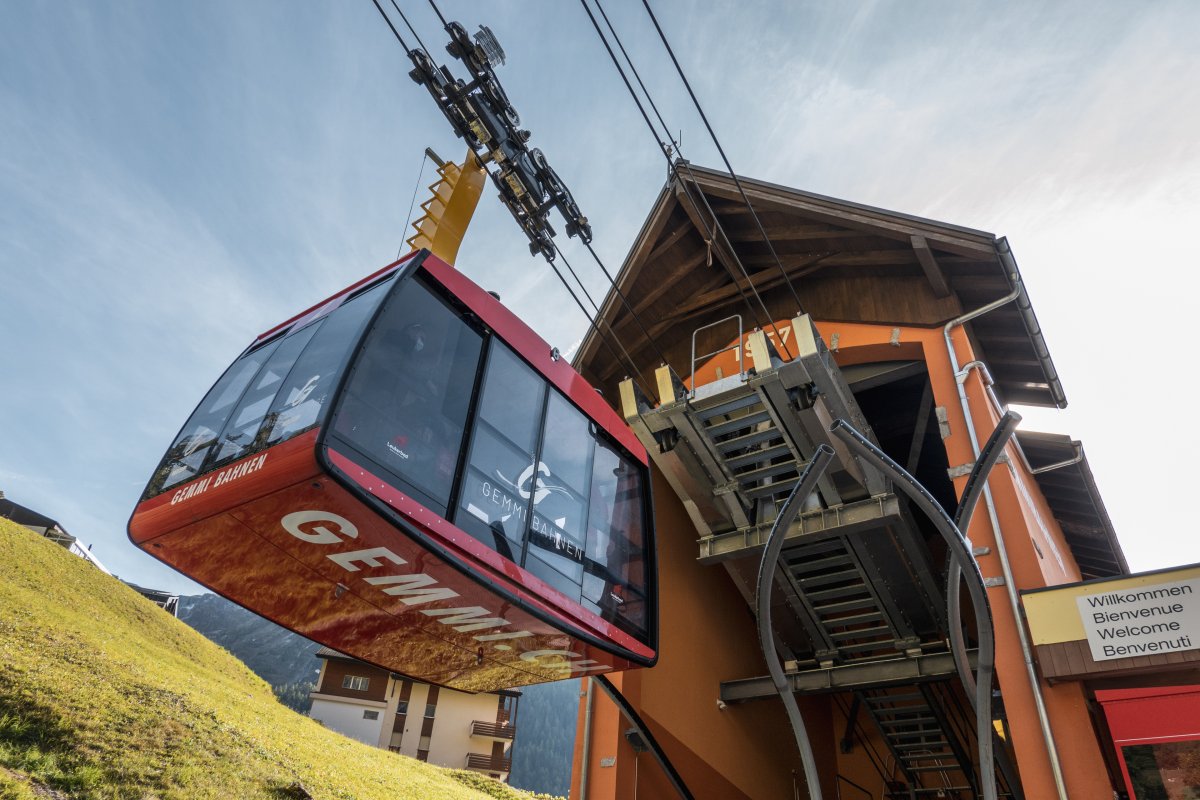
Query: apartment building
point(430, 723)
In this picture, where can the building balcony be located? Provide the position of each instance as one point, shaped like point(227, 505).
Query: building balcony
point(500, 731)
point(482, 763)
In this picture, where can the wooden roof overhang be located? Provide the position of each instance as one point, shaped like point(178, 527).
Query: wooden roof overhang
point(1062, 473)
point(847, 262)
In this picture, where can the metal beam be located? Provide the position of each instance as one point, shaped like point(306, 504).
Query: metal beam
point(842, 520)
point(846, 677)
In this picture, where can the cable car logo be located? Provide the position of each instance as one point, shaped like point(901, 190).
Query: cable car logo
point(305, 391)
point(413, 588)
point(526, 486)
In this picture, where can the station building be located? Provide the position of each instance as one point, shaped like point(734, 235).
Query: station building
point(918, 334)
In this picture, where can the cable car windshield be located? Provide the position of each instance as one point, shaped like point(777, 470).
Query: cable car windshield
point(521, 470)
point(276, 390)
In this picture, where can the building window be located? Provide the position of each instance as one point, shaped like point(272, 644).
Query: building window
point(430, 710)
point(424, 743)
point(402, 708)
point(356, 683)
point(370, 715)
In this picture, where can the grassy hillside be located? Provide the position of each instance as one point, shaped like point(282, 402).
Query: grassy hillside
point(103, 695)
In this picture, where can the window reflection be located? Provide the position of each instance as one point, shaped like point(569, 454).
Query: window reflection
point(500, 479)
point(406, 403)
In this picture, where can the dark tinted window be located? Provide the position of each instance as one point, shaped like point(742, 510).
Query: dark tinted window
point(615, 584)
point(557, 533)
point(291, 375)
point(184, 459)
point(305, 394)
point(406, 403)
point(499, 481)
point(240, 436)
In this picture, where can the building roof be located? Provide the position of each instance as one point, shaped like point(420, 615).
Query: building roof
point(848, 262)
point(27, 516)
point(1062, 473)
point(330, 653)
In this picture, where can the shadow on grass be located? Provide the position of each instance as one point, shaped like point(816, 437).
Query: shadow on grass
point(34, 741)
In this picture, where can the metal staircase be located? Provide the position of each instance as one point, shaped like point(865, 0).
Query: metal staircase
point(856, 590)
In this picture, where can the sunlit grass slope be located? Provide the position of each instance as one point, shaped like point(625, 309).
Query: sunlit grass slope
point(103, 695)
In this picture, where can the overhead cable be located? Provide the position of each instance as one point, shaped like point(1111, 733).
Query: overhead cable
point(721, 150)
point(411, 28)
point(673, 166)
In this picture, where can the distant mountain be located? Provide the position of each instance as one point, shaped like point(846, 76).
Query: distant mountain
point(545, 739)
point(284, 659)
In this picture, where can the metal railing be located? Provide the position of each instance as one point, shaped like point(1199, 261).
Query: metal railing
point(737, 345)
point(494, 730)
point(488, 763)
point(840, 779)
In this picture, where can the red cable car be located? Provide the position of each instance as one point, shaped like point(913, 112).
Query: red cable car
point(408, 474)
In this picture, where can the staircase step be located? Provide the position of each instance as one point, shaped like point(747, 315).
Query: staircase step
point(716, 429)
point(820, 564)
point(750, 398)
point(757, 456)
point(825, 609)
point(861, 633)
point(750, 439)
point(770, 471)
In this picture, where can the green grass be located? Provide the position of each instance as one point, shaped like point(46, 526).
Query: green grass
point(103, 695)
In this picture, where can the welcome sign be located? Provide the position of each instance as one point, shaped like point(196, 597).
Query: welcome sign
point(1143, 620)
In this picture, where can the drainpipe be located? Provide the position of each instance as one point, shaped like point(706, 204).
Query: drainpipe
point(989, 382)
point(587, 744)
point(960, 377)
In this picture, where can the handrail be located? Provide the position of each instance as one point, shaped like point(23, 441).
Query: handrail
point(839, 779)
point(735, 346)
point(956, 544)
point(767, 567)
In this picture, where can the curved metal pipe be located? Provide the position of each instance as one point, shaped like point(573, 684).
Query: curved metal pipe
point(804, 487)
point(959, 550)
point(992, 450)
point(660, 755)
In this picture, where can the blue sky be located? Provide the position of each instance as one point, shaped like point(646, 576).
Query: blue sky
point(176, 178)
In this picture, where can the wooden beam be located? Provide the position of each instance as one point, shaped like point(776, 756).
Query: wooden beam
point(933, 272)
point(793, 233)
point(669, 241)
point(662, 284)
point(862, 258)
point(721, 249)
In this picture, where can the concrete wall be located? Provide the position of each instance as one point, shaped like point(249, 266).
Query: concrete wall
point(346, 717)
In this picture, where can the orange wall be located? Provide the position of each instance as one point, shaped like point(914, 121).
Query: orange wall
point(1079, 752)
point(707, 635)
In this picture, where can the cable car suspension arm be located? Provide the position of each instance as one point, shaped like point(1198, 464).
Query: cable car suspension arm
point(480, 113)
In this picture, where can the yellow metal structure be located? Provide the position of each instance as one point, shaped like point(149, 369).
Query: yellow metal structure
point(448, 212)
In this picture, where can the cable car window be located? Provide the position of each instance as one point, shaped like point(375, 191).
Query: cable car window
point(240, 435)
point(406, 403)
point(299, 403)
point(615, 585)
point(187, 453)
point(500, 479)
point(557, 533)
